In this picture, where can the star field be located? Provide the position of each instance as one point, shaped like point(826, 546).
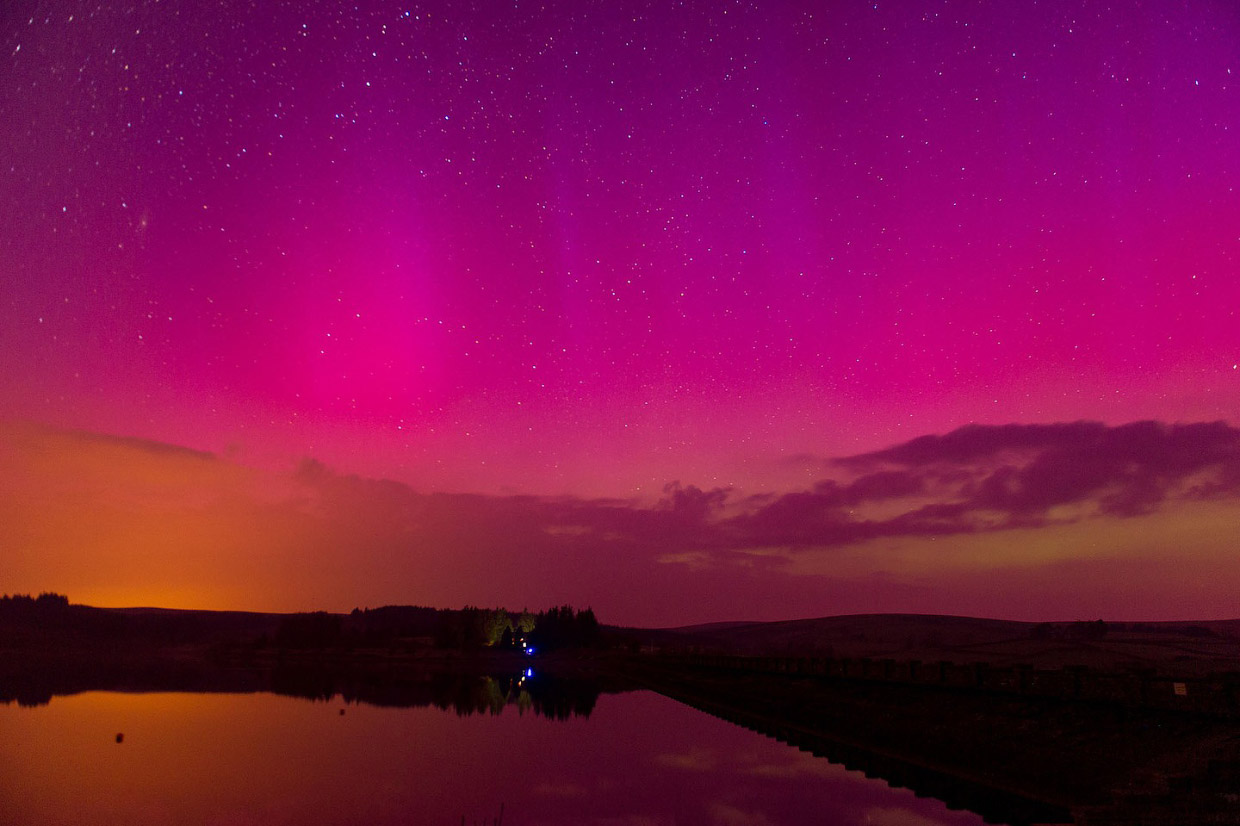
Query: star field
point(589, 248)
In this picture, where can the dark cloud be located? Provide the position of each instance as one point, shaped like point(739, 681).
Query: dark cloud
point(692, 505)
point(1130, 469)
point(973, 442)
point(1174, 447)
point(885, 485)
point(37, 432)
point(995, 477)
point(806, 518)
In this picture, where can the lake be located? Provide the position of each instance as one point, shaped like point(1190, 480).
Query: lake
point(634, 758)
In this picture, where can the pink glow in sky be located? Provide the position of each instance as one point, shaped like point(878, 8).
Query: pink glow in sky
point(575, 252)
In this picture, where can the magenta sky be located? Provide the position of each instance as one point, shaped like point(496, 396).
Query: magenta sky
point(579, 251)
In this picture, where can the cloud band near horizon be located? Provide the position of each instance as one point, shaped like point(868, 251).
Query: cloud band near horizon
point(1042, 521)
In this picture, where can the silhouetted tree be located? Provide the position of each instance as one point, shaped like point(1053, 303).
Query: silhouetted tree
point(318, 629)
point(562, 627)
point(464, 629)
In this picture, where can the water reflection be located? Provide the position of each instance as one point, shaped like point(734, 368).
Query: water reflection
point(550, 696)
point(639, 758)
point(394, 685)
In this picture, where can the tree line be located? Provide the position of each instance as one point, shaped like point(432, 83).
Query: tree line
point(465, 629)
point(50, 620)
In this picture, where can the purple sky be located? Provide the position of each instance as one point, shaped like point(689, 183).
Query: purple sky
point(523, 282)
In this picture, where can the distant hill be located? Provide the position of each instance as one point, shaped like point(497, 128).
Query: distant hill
point(875, 634)
point(1211, 644)
point(52, 622)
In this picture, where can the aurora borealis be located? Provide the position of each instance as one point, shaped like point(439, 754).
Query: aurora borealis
point(673, 309)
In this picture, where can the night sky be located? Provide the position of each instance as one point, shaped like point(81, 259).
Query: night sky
point(685, 311)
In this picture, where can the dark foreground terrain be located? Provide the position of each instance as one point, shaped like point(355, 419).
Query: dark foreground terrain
point(1089, 723)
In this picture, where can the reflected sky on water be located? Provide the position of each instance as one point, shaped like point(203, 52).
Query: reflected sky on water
point(639, 759)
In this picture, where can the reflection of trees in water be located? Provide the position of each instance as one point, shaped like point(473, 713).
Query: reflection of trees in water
point(560, 699)
point(556, 698)
point(36, 682)
point(546, 696)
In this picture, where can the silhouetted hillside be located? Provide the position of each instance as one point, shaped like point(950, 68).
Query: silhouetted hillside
point(50, 621)
point(1186, 645)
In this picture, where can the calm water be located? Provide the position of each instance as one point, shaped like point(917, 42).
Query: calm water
point(638, 759)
